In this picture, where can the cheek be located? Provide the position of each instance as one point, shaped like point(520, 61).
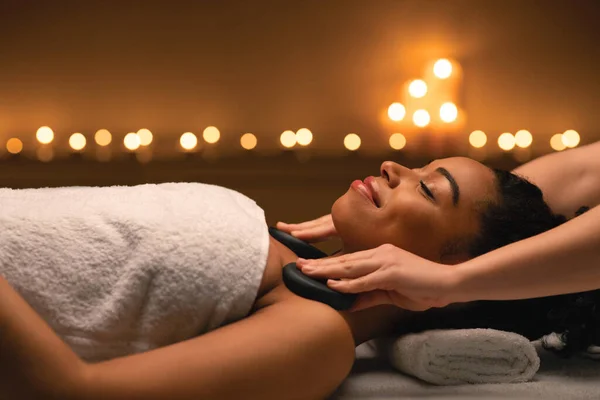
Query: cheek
point(413, 224)
point(355, 222)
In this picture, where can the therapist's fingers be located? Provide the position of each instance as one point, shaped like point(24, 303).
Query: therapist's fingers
point(341, 269)
point(315, 230)
point(303, 225)
point(339, 260)
point(315, 234)
point(377, 280)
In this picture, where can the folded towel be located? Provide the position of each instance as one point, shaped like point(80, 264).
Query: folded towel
point(452, 357)
point(124, 269)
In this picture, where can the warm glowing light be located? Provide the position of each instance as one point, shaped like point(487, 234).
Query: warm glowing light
point(131, 141)
point(523, 138)
point(448, 112)
point(304, 137)
point(45, 153)
point(397, 141)
point(145, 136)
point(14, 146)
point(556, 142)
point(477, 139)
point(421, 118)
point(442, 68)
point(188, 141)
point(77, 141)
point(570, 138)
point(352, 141)
point(396, 112)
point(103, 137)
point(211, 134)
point(288, 139)
point(248, 141)
point(417, 88)
point(44, 135)
point(506, 141)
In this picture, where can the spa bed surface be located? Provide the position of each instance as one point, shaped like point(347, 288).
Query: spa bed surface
point(373, 378)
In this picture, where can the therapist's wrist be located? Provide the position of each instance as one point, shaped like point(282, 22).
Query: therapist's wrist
point(462, 283)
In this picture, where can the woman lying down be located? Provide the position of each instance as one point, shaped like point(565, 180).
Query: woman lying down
point(174, 291)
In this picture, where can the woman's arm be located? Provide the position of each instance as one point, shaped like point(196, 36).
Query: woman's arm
point(293, 349)
point(569, 179)
point(565, 259)
point(34, 362)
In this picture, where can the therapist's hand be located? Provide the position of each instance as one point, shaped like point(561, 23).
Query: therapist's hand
point(317, 230)
point(386, 275)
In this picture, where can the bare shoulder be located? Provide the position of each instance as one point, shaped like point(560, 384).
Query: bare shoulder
point(291, 348)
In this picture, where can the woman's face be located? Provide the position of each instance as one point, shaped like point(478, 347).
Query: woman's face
point(419, 210)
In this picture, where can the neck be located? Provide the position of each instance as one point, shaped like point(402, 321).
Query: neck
point(365, 324)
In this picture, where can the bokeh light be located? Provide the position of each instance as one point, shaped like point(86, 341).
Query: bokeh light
point(131, 141)
point(523, 138)
point(14, 146)
point(397, 141)
point(448, 112)
point(417, 88)
point(570, 138)
point(556, 142)
point(421, 118)
point(45, 153)
point(442, 68)
point(103, 137)
point(44, 135)
point(396, 112)
point(506, 141)
point(304, 136)
point(288, 139)
point(77, 141)
point(352, 141)
point(145, 137)
point(248, 141)
point(211, 134)
point(188, 141)
point(477, 139)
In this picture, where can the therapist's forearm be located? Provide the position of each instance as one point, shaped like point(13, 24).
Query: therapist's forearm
point(563, 260)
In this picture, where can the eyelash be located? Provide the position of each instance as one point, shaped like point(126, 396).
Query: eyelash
point(426, 190)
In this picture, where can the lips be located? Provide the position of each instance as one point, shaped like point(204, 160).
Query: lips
point(366, 189)
point(371, 184)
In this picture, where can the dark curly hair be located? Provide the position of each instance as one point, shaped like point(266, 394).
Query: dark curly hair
point(519, 211)
point(515, 211)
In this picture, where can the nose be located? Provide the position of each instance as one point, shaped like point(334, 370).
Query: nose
point(393, 172)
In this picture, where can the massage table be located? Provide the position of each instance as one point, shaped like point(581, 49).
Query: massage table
point(372, 378)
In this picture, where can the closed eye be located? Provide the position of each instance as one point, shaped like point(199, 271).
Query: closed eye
point(426, 190)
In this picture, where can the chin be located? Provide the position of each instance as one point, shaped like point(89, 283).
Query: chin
point(347, 217)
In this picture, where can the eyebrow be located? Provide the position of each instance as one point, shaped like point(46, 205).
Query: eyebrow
point(453, 185)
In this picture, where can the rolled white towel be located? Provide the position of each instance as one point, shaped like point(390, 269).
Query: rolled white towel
point(459, 356)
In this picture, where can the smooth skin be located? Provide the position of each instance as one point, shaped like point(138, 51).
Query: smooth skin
point(562, 260)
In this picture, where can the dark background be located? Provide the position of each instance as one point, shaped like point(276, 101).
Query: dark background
point(265, 66)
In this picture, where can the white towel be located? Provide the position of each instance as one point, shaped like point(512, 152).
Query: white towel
point(452, 357)
point(125, 269)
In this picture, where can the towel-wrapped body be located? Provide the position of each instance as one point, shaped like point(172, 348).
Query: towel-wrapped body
point(124, 269)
